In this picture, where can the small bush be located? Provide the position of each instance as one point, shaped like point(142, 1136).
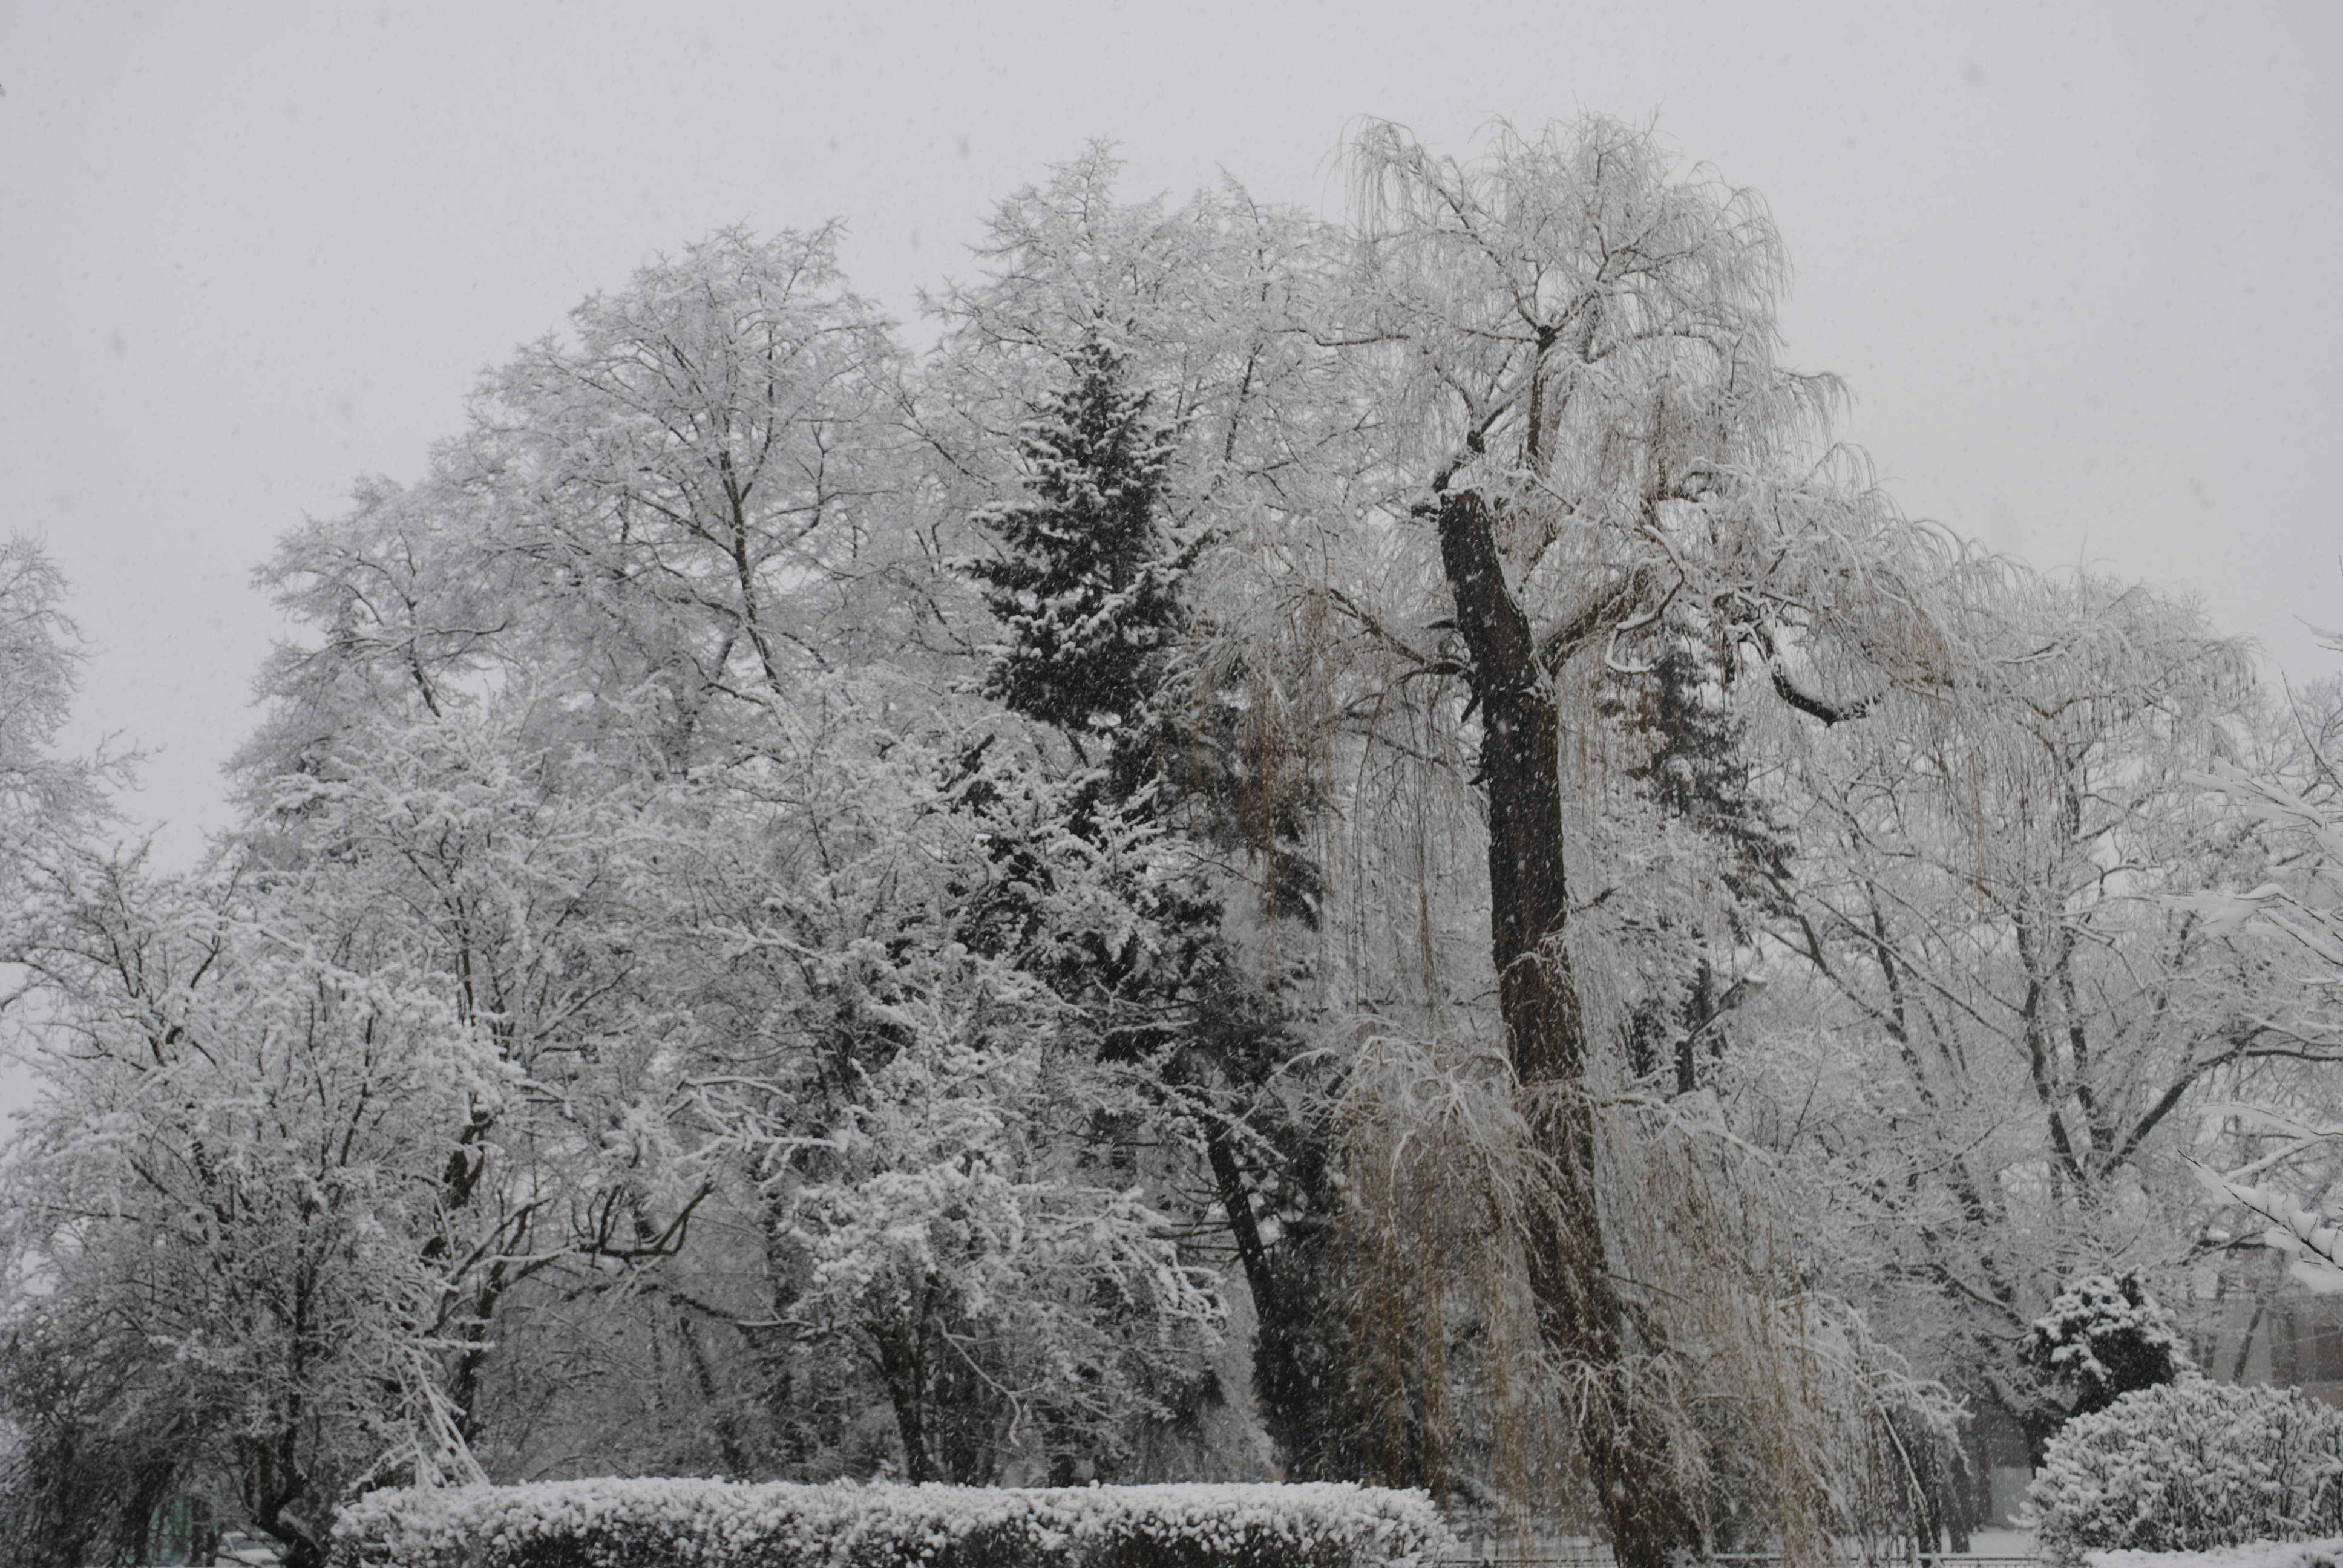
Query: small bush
point(2103, 1337)
point(2191, 1467)
point(720, 1524)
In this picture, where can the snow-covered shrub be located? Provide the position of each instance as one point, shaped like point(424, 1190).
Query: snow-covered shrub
point(684, 1523)
point(2323, 1553)
point(2189, 1466)
point(2103, 1337)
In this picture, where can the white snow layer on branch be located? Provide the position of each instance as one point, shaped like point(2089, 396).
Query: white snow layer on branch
point(2313, 921)
point(2301, 1233)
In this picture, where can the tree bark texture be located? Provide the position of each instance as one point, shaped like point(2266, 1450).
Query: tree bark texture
point(1581, 1317)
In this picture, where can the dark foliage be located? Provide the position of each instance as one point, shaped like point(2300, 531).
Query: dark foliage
point(2103, 1337)
point(74, 1488)
point(1086, 587)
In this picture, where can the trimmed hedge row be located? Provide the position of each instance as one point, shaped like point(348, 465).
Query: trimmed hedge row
point(682, 1523)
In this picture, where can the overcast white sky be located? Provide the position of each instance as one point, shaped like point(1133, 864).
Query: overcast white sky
point(2078, 262)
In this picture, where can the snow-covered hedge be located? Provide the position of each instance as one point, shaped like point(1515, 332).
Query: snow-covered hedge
point(2326, 1553)
point(675, 1524)
point(2190, 1467)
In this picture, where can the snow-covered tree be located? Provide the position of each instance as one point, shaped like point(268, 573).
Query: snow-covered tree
point(229, 1239)
point(1020, 1302)
point(1086, 586)
point(1212, 315)
point(1991, 1049)
point(937, 1129)
point(42, 794)
point(1588, 437)
point(1098, 313)
point(684, 503)
point(1213, 308)
point(513, 877)
point(2272, 1149)
point(1701, 831)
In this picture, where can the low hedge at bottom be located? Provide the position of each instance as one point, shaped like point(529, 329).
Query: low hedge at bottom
point(679, 1523)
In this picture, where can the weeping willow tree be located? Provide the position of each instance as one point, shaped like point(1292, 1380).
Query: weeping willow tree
point(1783, 1426)
point(1592, 462)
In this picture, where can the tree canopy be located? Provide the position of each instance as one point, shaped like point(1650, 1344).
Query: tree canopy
point(1338, 850)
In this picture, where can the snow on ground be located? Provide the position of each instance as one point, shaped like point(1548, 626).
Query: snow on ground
point(2001, 1543)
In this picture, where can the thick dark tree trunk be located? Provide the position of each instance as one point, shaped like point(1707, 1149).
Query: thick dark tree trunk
point(1580, 1315)
point(902, 1366)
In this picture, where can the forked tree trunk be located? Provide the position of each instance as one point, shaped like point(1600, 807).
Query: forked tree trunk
point(1580, 1315)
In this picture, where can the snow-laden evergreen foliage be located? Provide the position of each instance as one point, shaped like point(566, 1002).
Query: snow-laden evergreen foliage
point(1089, 592)
point(1086, 590)
point(2189, 1466)
point(714, 1525)
point(2103, 1338)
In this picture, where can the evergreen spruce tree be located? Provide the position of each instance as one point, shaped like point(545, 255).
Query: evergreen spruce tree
point(1087, 590)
